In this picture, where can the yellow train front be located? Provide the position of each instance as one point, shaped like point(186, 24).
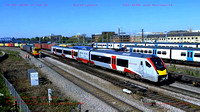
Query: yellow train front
point(35, 51)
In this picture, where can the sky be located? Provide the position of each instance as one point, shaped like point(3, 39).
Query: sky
point(31, 18)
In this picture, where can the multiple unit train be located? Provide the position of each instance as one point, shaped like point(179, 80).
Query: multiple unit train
point(135, 65)
point(121, 45)
point(168, 53)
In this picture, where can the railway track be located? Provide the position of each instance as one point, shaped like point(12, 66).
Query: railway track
point(143, 91)
point(182, 91)
point(107, 98)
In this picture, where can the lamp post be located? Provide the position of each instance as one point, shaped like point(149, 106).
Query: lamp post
point(166, 36)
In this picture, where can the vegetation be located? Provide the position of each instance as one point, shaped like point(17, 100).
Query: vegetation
point(15, 68)
point(185, 70)
point(1, 52)
point(6, 100)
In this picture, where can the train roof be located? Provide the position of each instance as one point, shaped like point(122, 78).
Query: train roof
point(183, 48)
point(172, 43)
point(151, 42)
point(158, 47)
point(125, 53)
point(76, 47)
point(121, 42)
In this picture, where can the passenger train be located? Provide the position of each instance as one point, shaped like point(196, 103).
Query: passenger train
point(168, 53)
point(135, 65)
point(121, 45)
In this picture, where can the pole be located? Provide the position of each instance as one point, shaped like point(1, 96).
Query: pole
point(107, 37)
point(166, 36)
point(142, 35)
point(40, 59)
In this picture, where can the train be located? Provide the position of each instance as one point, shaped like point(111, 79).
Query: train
point(35, 51)
point(120, 45)
point(168, 53)
point(139, 66)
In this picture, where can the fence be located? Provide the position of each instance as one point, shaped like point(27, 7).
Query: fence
point(20, 103)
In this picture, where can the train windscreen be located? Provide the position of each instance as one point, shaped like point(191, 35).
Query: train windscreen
point(158, 63)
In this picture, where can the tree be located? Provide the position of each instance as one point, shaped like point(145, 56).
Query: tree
point(37, 38)
point(72, 40)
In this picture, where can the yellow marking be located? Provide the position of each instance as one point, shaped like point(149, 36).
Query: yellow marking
point(164, 72)
point(1, 44)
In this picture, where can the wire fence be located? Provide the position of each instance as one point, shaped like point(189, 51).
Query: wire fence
point(20, 103)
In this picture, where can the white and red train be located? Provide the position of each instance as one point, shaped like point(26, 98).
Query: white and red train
point(135, 65)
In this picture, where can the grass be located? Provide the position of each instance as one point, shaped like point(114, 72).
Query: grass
point(184, 70)
point(1, 52)
point(15, 70)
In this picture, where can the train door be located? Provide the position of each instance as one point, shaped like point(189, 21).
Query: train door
point(131, 49)
point(72, 53)
point(189, 55)
point(141, 68)
point(155, 52)
point(96, 45)
point(113, 62)
point(120, 45)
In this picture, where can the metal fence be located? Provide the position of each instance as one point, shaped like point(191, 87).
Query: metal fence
point(20, 103)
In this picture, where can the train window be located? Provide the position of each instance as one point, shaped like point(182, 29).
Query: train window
point(138, 50)
point(134, 50)
point(183, 54)
point(197, 55)
point(164, 52)
point(141, 63)
point(122, 62)
point(75, 54)
point(192, 38)
point(145, 51)
point(184, 38)
point(59, 50)
point(101, 58)
point(147, 64)
point(117, 45)
point(196, 38)
point(158, 63)
point(141, 51)
point(67, 52)
point(159, 52)
point(188, 38)
point(54, 49)
point(177, 38)
point(150, 51)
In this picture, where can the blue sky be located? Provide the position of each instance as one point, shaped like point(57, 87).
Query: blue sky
point(67, 17)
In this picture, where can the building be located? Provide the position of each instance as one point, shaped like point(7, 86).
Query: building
point(121, 38)
point(136, 38)
point(175, 36)
point(96, 37)
point(103, 37)
point(55, 38)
